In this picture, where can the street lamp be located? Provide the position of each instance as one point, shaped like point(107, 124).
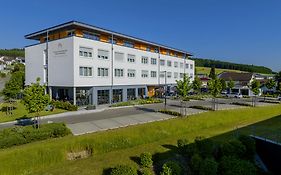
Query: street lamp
point(165, 89)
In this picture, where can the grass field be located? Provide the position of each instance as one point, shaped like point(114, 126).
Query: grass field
point(206, 70)
point(121, 145)
point(20, 111)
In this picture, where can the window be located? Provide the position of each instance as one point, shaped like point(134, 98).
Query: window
point(147, 48)
point(191, 66)
point(181, 65)
point(103, 54)
point(119, 56)
point(156, 50)
point(85, 52)
point(153, 74)
point(144, 73)
point(85, 71)
point(128, 44)
point(176, 75)
point(168, 52)
point(117, 95)
point(102, 72)
point(131, 58)
point(169, 74)
point(162, 62)
point(71, 33)
point(119, 72)
point(153, 61)
point(90, 35)
point(103, 97)
point(176, 64)
point(181, 75)
point(186, 66)
point(169, 63)
point(162, 74)
point(144, 60)
point(191, 75)
point(131, 93)
point(131, 73)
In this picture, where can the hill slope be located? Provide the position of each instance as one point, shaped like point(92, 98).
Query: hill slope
point(12, 52)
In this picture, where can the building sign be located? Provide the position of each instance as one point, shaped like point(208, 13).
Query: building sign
point(60, 52)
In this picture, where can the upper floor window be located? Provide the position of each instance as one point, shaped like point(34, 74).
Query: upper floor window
point(181, 65)
point(144, 60)
point(90, 35)
point(176, 64)
point(103, 72)
point(153, 61)
point(144, 73)
point(156, 50)
point(131, 72)
point(119, 72)
point(103, 54)
point(128, 44)
point(148, 48)
point(114, 41)
point(71, 33)
point(191, 75)
point(162, 62)
point(119, 56)
point(162, 74)
point(153, 74)
point(85, 52)
point(181, 75)
point(131, 58)
point(191, 66)
point(85, 71)
point(167, 52)
point(169, 63)
point(169, 74)
point(176, 75)
point(186, 66)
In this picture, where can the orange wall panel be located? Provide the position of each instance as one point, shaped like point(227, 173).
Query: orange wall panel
point(78, 33)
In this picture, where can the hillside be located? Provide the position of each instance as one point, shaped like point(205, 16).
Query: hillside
point(12, 52)
point(206, 70)
point(232, 66)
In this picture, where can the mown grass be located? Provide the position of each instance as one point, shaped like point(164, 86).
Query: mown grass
point(118, 146)
point(206, 70)
point(20, 111)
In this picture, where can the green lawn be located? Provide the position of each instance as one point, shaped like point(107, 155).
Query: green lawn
point(206, 70)
point(120, 145)
point(20, 111)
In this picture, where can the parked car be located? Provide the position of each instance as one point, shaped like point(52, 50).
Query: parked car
point(234, 95)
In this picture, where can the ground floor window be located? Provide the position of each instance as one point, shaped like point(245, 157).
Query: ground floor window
point(141, 92)
point(131, 94)
point(117, 95)
point(83, 97)
point(103, 97)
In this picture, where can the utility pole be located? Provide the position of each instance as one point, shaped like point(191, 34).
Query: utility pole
point(165, 89)
point(111, 87)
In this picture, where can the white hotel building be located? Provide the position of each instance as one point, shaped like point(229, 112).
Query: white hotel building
point(89, 65)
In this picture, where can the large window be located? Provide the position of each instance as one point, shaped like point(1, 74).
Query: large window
point(90, 35)
point(176, 64)
point(131, 94)
point(144, 73)
point(186, 66)
point(153, 74)
point(119, 72)
point(162, 74)
point(144, 60)
point(103, 54)
point(169, 74)
point(85, 71)
point(181, 65)
point(103, 72)
point(176, 75)
point(141, 92)
point(103, 97)
point(131, 58)
point(153, 61)
point(169, 63)
point(181, 75)
point(129, 44)
point(191, 66)
point(131, 73)
point(119, 56)
point(85, 52)
point(117, 95)
point(162, 62)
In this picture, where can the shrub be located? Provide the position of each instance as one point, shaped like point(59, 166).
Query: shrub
point(233, 148)
point(123, 170)
point(205, 147)
point(182, 143)
point(177, 114)
point(208, 167)
point(241, 104)
point(250, 145)
point(146, 172)
point(146, 160)
point(195, 163)
point(2, 75)
point(22, 135)
point(64, 105)
point(171, 168)
point(202, 108)
point(234, 166)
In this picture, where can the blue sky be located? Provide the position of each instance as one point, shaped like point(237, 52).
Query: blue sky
point(241, 31)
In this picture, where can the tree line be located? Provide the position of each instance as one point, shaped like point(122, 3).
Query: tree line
point(200, 62)
point(12, 52)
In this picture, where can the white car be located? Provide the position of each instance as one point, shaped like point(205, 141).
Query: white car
point(234, 95)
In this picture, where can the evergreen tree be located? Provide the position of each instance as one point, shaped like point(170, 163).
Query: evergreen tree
point(212, 74)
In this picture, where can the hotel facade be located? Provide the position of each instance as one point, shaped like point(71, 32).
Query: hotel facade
point(88, 65)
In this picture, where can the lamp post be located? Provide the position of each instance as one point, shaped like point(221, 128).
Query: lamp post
point(165, 89)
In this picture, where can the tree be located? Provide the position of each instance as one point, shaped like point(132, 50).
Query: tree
point(196, 84)
point(215, 88)
point(35, 99)
point(255, 87)
point(183, 87)
point(270, 84)
point(278, 77)
point(223, 84)
point(230, 85)
point(212, 74)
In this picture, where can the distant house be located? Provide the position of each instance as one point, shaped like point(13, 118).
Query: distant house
point(242, 82)
point(205, 81)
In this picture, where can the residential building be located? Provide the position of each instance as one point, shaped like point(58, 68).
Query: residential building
point(90, 65)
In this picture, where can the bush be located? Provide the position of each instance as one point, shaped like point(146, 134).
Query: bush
point(250, 145)
point(234, 166)
point(146, 160)
point(233, 148)
point(171, 168)
point(202, 108)
point(145, 172)
point(208, 167)
point(182, 144)
point(241, 104)
point(123, 170)
point(2, 75)
point(22, 135)
point(195, 163)
point(177, 114)
point(64, 105)
point(205, 147)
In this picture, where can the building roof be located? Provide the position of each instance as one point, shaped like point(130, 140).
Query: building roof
point(72, 24)
point(235, 76)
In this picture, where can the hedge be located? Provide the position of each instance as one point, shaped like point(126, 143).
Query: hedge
point(27, 134)
point(64, 105)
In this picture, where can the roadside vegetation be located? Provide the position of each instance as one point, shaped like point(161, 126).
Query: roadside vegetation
point(137, 102)
point(120, 145)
